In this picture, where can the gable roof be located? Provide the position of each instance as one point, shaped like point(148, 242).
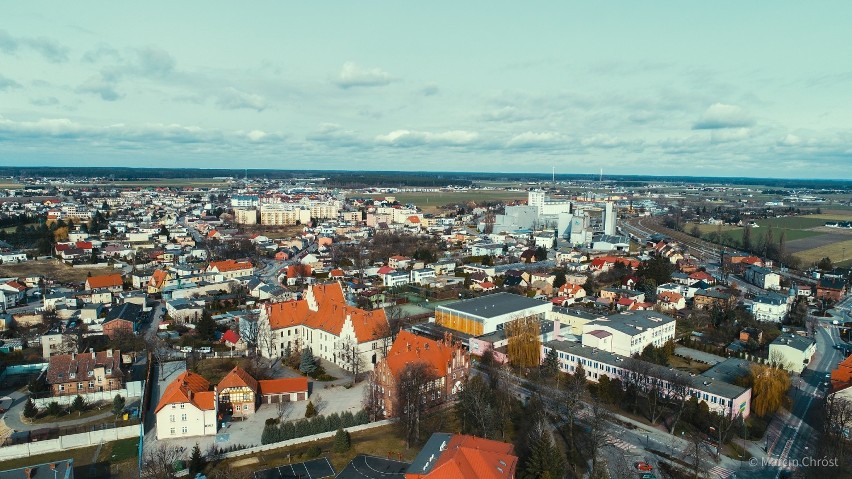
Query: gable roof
point(238, 378)
point(464, 456)
point(283, 385)
point(325, 308)
point(188, 387)
point(231, 336)
point(410, 348)
point(61, 366)
point(105, 281)
point(229, 265)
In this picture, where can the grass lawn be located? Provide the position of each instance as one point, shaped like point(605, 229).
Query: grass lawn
point(44, 418)
point(120, 451)
point(684, 364)
point(214, 369)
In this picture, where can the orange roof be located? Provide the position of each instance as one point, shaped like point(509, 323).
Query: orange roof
point(293, 273)
point(187, 388)
point(229, 265)
point(414, 219)
point(284, 385)
point(238, 378)
point(329, 315)
point(336, 273)
point(842, 375)
point(669, 296)
point(105, 281)
point(158, 277)
point(472, 457)
point(411, 348)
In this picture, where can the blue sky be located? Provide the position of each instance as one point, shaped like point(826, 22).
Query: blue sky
point(711, 88)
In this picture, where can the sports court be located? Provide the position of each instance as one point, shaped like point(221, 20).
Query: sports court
point(315, 469)
point(372, 467)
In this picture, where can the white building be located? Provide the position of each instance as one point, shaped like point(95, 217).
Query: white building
point(187, 408)
point(793, 351)
point(323, 322)
point(630, 332)
point(770, 307)
point(422, 275)
point(763, 277)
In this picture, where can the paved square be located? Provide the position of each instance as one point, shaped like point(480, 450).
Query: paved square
point(315, 469)
point(372, 467)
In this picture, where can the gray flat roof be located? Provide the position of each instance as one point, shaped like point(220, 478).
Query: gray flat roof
point(64, 469)
point(729, 370)
point(801, 343)
point(698, 382)
point(493, 305)
point(578, 313)
point(634, 322)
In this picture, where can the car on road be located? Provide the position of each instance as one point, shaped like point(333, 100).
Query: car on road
point(644, 466)
point(647, 475)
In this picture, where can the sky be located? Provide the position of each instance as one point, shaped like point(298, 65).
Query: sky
point(760, 89)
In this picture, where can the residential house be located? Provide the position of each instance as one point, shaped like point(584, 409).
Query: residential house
point(184, 310)
point(81, 373)
point(395, 278)
point(446, 359)
point(794, 352)
point(123, 319)
point(11, 293)
point(233, 340)
point(323, 322)
point(762, 277)
point(831, 287)
point(671, 301)
point(238, 393)
point(422, 275)
point(187, 408)
point(770, 307)
point(231, 269)
point(712, 298)
point(110, 282)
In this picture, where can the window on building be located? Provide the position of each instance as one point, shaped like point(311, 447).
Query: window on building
point(172, 418)
point(183, 430)
point(183, 417)
point(172, 431)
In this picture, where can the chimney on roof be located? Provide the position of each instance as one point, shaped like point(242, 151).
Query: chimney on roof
point(92, 350)
point(28, 473)
point(109, 353)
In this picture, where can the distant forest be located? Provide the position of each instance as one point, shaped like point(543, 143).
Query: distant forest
point(339, 178)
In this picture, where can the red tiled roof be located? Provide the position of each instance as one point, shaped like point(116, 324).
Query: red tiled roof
point(230, 336)
point(411, 348)
point(283, 385)
point(238, 378)
point(471, 457)
point(61, 366)
point(104, 281)
point(229, 265)
point(330, 314)
point(188, 388)
point(385, 270)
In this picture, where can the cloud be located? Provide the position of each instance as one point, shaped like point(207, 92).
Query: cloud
point(429, 90)
point(603, 140)
point(332, 134)
point(47, 48)
point(99, 85)
point(730, 134)
point(233, 99)
point(8, 83)
point(531, 139)
point(46, 101)
point(506, 114)
point(154, 62)
point(351, 75)
point(720, 115)
point(408, 138)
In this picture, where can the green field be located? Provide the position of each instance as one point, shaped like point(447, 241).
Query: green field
point(164, 183)
point(431, 201)
point(757, 234)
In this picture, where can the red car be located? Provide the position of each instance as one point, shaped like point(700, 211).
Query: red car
point(644, 466)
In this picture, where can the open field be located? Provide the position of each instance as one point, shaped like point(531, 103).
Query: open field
point(51, 269)
point(431, 201)
point(11, 229)
point(840, 252)
point(9, 184)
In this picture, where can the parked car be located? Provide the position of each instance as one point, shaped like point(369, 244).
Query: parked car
point(205, 349)
point(644, 466)
point(186, 349)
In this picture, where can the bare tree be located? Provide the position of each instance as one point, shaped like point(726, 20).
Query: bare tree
point(159, 462)
point(161, 352)
point(373, 401)
point(722, 426)
point(679, 384)
point(638, 372)
point(248, 331)
point(350, 357)
point(693, 454)
point(412, 389)
point(265, 338)
point(599, 436)
point(572, 396)
point(395, 317)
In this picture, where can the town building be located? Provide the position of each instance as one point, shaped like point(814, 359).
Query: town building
point(712, 298)
point(110, 282)
point(831, 288)
point(187, 408)
point(792, 352)
point(720, 396)
point(770, 307)
point(459, 456)
point(62, 469)
point(762, 277)
point(82, 373)
point(324, 322)
point(489, 313)
point(629, 333)
point(273, 391)
point(447, 360)
point(123, 319)
point(238, 393)
point(230, 269)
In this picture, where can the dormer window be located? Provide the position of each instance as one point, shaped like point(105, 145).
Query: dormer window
point(71, 375)
point(91, 373)
point(109, 371)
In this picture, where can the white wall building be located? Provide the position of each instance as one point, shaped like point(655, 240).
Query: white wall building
point(630, 332)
